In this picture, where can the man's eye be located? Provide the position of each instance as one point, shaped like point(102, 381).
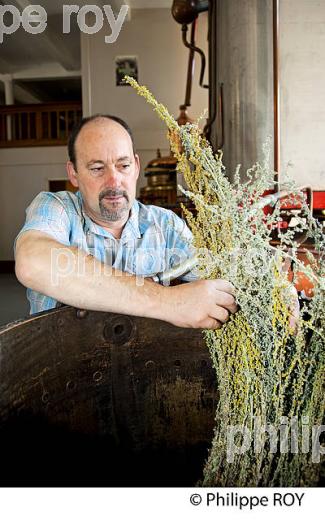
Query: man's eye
point(99, 169)
point(125, 166)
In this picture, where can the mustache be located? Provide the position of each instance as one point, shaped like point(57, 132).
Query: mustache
point(112, 193)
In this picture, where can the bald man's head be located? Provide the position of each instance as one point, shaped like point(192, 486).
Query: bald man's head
point(97, 117)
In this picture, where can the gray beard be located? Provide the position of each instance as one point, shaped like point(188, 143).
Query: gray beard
point(112, 215)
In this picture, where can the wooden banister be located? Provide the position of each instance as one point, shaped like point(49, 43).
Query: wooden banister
point(46, 124)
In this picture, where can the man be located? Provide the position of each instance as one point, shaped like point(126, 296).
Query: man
point(69, 240)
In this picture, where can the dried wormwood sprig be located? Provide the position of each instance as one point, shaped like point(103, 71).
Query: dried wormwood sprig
point(264, 369)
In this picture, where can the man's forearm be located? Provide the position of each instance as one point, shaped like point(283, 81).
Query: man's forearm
point(70, 276)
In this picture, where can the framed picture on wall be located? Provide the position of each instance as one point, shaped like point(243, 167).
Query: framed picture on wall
point(125, 66)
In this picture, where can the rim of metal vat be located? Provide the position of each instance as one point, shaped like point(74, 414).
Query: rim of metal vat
point(101, 399)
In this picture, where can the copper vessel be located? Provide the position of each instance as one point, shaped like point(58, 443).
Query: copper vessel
point(161, 182)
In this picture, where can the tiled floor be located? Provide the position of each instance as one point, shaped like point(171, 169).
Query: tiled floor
point(13, 301)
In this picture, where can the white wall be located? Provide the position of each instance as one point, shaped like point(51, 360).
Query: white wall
point(24, 172)
point(302, 77)
point(155, 38)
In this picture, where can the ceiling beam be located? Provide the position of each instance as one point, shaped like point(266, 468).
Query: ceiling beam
point(58, 50)
point(46, 70)
point(21, 4)
point(58, 46)
point(24, 96)
point(54, 41)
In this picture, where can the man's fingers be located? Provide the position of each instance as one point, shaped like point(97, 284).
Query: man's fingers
point(220, 314)
point(212, 323)
point(205, 304)
point(225, 286)
point(226, 300)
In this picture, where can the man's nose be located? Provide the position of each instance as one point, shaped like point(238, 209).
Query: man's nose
point(112, 177)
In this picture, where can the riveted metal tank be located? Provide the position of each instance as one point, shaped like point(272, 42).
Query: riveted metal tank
point(99, 399)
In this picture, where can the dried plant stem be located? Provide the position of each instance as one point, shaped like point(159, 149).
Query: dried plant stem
point(266, 371)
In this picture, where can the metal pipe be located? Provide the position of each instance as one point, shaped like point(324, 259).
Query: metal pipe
point(194, 48)
point(212, 40)
point(276, 90)
point(176, 271)
point(221, 117)
point(190, 68)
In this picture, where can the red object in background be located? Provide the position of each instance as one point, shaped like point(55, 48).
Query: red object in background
point(282, 225)
point(317, 203)
point(268, 209)
point(302, 282)
point(318, 199)
point(286, 202)
point(289, 203)
point(317, 196)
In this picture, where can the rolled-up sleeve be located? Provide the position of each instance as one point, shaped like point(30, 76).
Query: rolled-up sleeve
point(47, 214)
point(180, 243)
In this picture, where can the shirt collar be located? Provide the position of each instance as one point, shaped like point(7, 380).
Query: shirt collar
point(130, 230)
point(132, 225)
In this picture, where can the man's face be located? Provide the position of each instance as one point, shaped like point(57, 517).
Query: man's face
point(106, 171)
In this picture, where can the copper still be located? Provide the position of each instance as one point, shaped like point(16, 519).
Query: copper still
point(161, 189)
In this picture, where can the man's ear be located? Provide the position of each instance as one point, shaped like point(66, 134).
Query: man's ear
point(72, 174)
point(137, 164)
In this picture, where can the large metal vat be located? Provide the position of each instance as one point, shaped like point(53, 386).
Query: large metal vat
point(98, 399)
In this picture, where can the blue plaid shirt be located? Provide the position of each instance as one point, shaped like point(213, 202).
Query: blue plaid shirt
point(153, 239)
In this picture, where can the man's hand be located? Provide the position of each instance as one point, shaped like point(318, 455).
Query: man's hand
point(205, 304)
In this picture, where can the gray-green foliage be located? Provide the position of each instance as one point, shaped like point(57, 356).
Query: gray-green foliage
point(269, 369)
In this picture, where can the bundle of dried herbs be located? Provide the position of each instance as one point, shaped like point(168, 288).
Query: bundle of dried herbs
point(270, 372)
